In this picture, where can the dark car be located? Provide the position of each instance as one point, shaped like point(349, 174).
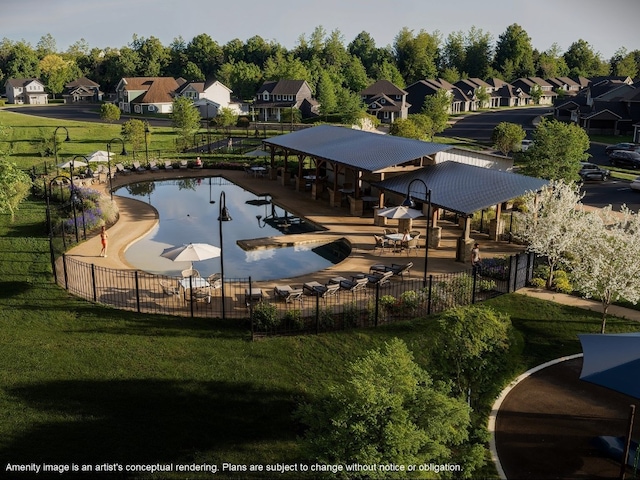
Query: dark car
point(621, 146)
point(591, 171)
point(625, 159)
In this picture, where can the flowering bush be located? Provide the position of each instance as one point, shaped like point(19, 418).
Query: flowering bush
point(497, 267)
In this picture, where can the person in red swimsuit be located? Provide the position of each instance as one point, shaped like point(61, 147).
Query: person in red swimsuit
point(103, 239)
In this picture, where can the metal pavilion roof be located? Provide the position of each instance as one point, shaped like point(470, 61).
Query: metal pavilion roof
point(463, 188)
point(365, 151)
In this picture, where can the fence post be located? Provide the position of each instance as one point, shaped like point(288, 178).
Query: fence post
point(135, 274)
point(377, 310)
point(531, 263)
point(93, 282)
point(64, 269)
point(512, 273)
point(191, 294)
point(430, 292)
point(516, 276)
point(251, 314)
point(475, 283)
point(317, 313)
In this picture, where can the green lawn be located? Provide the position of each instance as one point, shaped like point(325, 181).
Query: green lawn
point(82, 383)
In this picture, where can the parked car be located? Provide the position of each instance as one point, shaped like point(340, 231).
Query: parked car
point(525, 145)
point(625, 159)
point(621, 146)
point(635, 185)
point(591, 171)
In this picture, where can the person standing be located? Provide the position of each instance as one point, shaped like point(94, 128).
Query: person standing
point(104, 238)
point(475, 256)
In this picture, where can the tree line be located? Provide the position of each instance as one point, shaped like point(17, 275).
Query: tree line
point(334, 70)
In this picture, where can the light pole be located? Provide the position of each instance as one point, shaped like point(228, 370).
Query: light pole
point(124, 152)
point(208, 130)
point(223, 216)
point(74, 195)
point(55, 142)
point(146, 144)
point(49, 194)
point(408, 202)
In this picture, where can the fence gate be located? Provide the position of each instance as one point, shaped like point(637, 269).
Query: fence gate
point(521, 271)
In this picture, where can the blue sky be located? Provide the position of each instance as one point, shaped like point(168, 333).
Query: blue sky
point(605, 24)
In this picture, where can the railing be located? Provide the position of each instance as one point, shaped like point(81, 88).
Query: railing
point(268, 314)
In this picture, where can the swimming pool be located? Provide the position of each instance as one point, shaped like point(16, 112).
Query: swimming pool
point(187, 216)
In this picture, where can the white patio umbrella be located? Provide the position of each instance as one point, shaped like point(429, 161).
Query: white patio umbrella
point(191, 252)
point(75, 163)
point(101, 156)
point(404, 215)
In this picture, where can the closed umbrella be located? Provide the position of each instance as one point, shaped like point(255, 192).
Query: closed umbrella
point(403, 214)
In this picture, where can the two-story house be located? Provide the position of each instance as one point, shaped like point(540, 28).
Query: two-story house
point(472, 87)
point(417, 92)
point(147, 94)
point(275, 97)
point(385, 101)
point(26, 91)
point(530, 84)
point(210, 97)
point(82, 90)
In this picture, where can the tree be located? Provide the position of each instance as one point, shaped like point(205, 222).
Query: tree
point(557, 151)
point(56, 72)
point(549, 223)
point(352, 108)
point(623, 64)
point(536, 93)
point(605, 254)
point(551, 63)
point(153, 56)
point(364, 48)
point(470, 340)
point(437, 107)
point(514, 53)
point(185, 119)
point(387, 411)
point(206, 54)
point(226, 118)
point(326, 94)
point(416, 55)
point(405, 127)
point(15, 185)
point(109, 112)
point(582, 60)
point(241, 77)
point(507, 136)
point(282, 66)
point(477, 53)
point(133, 131)
point(46, 46)
point(483, 97)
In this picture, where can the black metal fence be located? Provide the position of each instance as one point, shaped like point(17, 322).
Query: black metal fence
point(269, 314)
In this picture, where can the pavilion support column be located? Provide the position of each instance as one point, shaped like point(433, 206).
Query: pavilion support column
point(273, 173)
point(496, 226)
point(465, 243)
point(300, 182)
point(335, 197)
point(435, 234)
point(285, 176)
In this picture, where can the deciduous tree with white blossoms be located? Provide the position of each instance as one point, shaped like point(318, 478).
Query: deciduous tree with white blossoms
point(549, 223)
point(607, 265)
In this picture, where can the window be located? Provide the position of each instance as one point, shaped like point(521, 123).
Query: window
point(398, 97)
point(290, 97)
point(152, 108)
point(279, 97)
point(386, 114)
point(137, 109)
point(265, 96)
point(382, 100)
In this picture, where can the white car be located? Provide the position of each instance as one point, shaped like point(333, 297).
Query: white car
point(635, 185)
point(525, 145)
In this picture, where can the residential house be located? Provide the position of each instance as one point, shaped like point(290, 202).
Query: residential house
point(605, 107)
point(147, 94)
point(26, 90)
point(529, 84)
point(82, 90)
point(210, 97)
point(508, 95)
point(275, 97)
point(418, 91)
point(471, 86)
point(385, 101)
point(564, 86)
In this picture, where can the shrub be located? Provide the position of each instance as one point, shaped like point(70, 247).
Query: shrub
point(561, 282)
point(538, 282)
point(497, 267)
point(293, 319)
point(327, 322)
point(350, 315)
point(265, 316)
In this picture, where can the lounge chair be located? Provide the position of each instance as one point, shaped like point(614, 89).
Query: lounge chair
point(379, 279)
point(153, 166)
point(183, 164)
point(138, 168)
point(120, 169)
point(169, 290)
point(287, 293)
point(354, 286)
point(215, 281)
point(199, 294)
point(168, 165)
point(395, 268)
point(322, 291)
point(190, 272)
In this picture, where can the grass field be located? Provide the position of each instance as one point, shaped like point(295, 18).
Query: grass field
point(85, 384)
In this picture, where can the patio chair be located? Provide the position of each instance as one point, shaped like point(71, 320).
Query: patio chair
point(381, 244)
point(379, 279)
point(137, 167)
point(120, 169)
point(412, 244)
point(183, 164)
point(215, 281)
point(153, 166)
point(389, 231)
point(190, 272)
point(354, 286)
point(169, 290)
point(287, 293)
point(168, 165)
point(199, 294)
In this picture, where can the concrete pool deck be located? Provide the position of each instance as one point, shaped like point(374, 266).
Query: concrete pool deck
point(137, 218)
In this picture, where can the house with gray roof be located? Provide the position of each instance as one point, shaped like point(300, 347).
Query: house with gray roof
point(417, 92)
point(276, 96)
point(82, 90)
point(507, 94)
point(385, 101)
point(530, 84)
point(26, 91)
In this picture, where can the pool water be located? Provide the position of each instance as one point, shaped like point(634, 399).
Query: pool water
point(187, 216)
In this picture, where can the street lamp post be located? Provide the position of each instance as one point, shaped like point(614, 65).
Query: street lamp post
point(223, 216)
point(208, 130)
point(74, 195)
point(49, 194)
point(55, 142)
point(408, 202)
point(124, 152)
